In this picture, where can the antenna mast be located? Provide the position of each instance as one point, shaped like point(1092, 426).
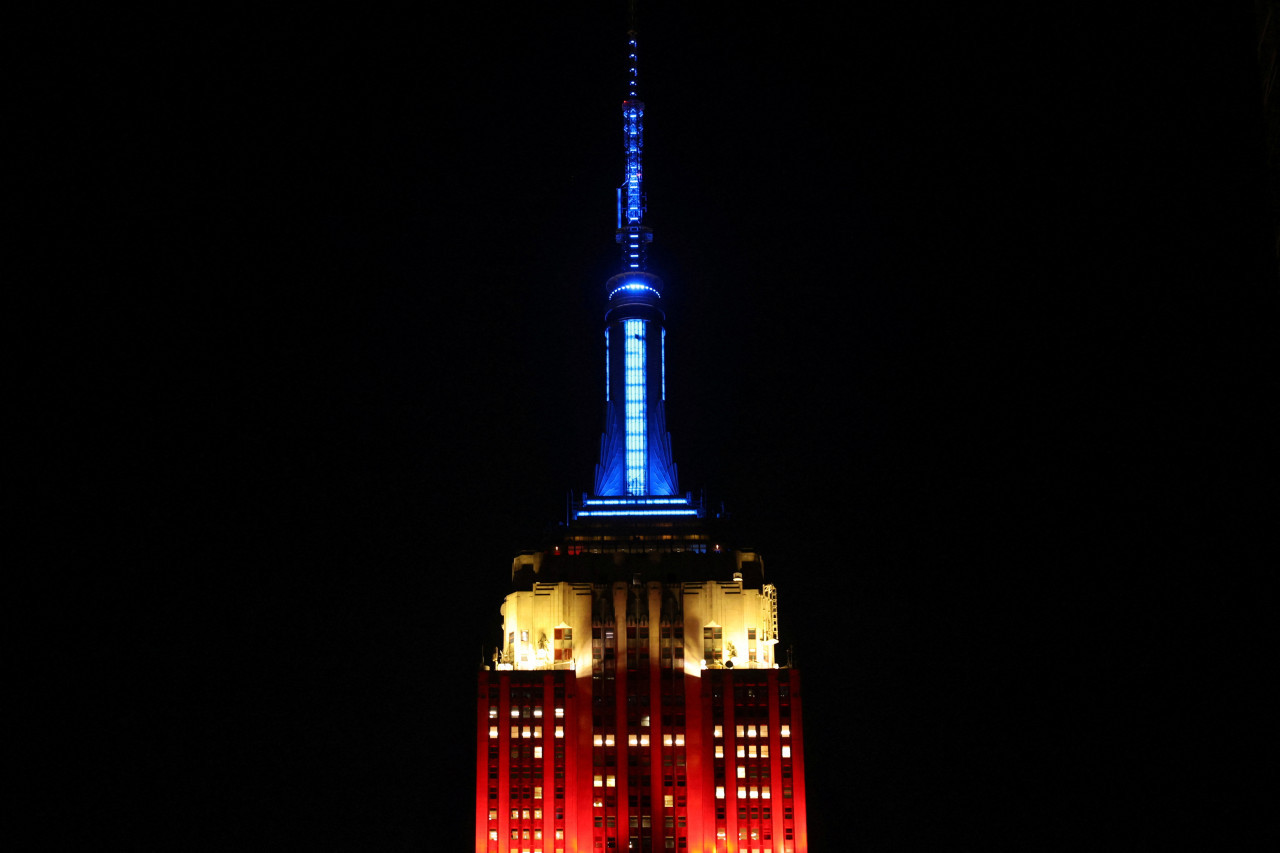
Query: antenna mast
point(632, 235)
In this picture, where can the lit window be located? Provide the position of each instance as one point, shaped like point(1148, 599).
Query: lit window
point(679, 740)
point(786, 750)
point(559, 731)
point(764, 750)
point(609, 781)
point(537, 710)
point(608, 740)
point(644, 740)
point(632, 740)
point(741, 731)
point(764, 792)
point(719, 792)
point(537, 815)
point(515, 712)
point(644, 721)
point(537, 794)
point(719, 731)
point(493, 731)
point(525, 814)
point(598, 781)
point(754, 793)
point(524, 636)
point(751, 751)
point(742, 751)
point(493, 835)
point(559, 834)
point(719, 750)
point(666, 740)
point(668, 801)
point(515, 731)
point(515, 814)
point(742, 771)
point(493, 712)
point(785, 730)
point(525, 732)
point(599, 740)
point(559, 713)
point(537, 731)
point(537, 752)
point(764, 730)
point(493, 814)
point(751, 731)
point(742, 792)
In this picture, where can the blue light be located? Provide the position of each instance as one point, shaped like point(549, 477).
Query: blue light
point(636, 418)
point(616, 512)
point(664, 365)
point(640, 501)
point(635, 286)
point(606, 365)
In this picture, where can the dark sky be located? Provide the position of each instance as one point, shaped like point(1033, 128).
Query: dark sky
point(967, 319)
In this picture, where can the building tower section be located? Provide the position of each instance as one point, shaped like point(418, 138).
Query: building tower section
point(635, 450)
point(636, 700)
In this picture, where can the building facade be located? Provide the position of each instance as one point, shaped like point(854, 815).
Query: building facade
point(637, 701)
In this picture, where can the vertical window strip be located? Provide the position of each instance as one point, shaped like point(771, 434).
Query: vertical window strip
point(635, 414)
point(664, 365)
point(606, 366)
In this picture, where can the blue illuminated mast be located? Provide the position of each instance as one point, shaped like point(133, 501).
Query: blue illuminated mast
point(636, 474)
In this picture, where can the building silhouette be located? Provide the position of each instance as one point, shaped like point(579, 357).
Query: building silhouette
point(638, 700)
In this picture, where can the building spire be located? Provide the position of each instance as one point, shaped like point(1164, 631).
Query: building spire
point(635, 450)
point(632, 235)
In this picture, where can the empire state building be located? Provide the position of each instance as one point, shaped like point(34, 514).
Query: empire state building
point(637, 700)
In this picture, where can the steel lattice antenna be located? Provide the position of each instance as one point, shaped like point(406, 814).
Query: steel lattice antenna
point(632, 235)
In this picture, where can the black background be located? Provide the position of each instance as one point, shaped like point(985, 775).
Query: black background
point(969, 313)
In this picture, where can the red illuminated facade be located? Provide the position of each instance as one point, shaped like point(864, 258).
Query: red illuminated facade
point(654, 718)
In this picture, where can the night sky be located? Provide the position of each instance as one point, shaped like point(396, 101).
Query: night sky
point(968, 316)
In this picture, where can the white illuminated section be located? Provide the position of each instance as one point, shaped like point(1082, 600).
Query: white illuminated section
point(664, 364)
point(606, 366)
point(635, 413)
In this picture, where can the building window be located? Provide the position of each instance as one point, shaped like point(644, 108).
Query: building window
point(719, 792)
point(493, 731)
point(786, 750)
point(718, 732)
point(719, 750)
point(785, 730)
point(668, 801)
